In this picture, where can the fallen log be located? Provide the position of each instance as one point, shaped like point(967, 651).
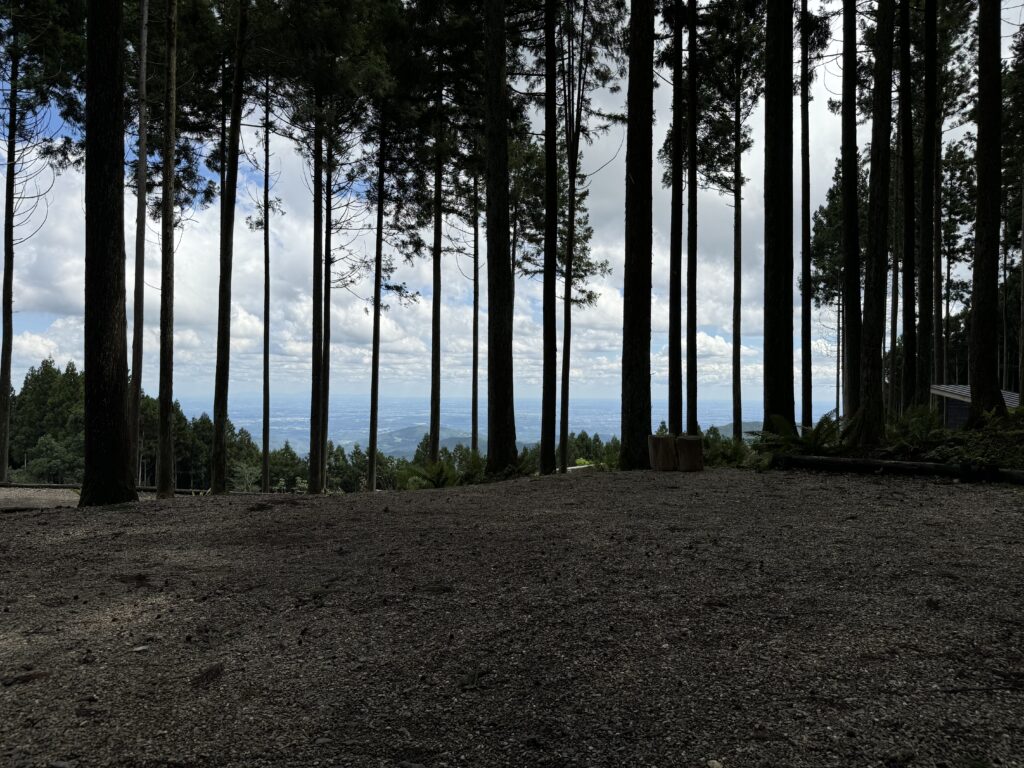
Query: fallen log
point(965, 472)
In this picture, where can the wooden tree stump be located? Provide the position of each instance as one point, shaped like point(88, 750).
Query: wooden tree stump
point(662, 452)
point(690, 453)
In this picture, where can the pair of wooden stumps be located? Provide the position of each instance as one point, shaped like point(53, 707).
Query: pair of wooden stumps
point(683, 453)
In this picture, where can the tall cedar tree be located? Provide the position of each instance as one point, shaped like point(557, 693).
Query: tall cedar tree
point(391, 128)
point(547, 431)
point(501, 419)
point(851, 318)
point(325, 364)
point(911, 369)
point(985, 393)
point(675, 269)
point(265, 447)
point(165, 474)
point(436, 252)
point(378, 279)
point(108, 476)
point(806, 417)
point(314, 480)
point(6, 345)
point(692, 104)
point(139, 302)
point(591, 54)
point(871, 414)
point(927, 292)
point(219, 474)
point(735, 59)
point(636, 278)
point(778, 218)
point(42, 46)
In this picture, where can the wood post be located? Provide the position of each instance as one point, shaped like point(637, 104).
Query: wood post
point(670, 452)
point(662, 452)
point(690, 453)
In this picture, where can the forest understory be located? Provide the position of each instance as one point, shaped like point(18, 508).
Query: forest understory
point(727, 618)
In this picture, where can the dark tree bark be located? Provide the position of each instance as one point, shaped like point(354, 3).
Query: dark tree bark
point(108, 477)
point(839, 355)
point(475, 431)
point(940, 297)
point(317, 356)
point(7, 343)
point(1020, 328)
point(871, 415)
point(675, 268)
point(139, 306)
point(894, 399)
point(548, 400)
point(265, 479)
point(911, 366)
point(692, 427)
point(325, 369)
point(927, 291)
point(851, 217)
point(166, 477)
point(636, 282)
point(984, 364)
point(737, 267)
point(501, 417)
point(434, 451)
point(378, 277)
point(806, 415)
point(574, 86)
point(219, 476)
point(778, 218)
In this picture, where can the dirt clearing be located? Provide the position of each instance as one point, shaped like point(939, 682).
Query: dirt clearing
point(631, 619)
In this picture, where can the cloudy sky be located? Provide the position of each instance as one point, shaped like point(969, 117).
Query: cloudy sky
point(48, 280)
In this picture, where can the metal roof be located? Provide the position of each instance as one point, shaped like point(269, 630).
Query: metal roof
point(962, 392)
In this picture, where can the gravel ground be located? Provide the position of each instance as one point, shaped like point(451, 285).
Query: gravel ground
point(726, 619)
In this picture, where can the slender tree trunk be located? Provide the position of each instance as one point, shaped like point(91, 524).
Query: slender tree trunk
point(947, 330)
point(435, 320)
point(894, 399)
point(265, 479)
point(839, 355)
point(928, 288)
point(108, 476)
point(636, 284)
point(501, 418)
point(1005, 378)
point(851, 216)
point(139, 306)
point(325, 371)
point(985, 393)
point(166, 477)
point(219, 478)
point(6, 345)
point(806, 415)
point(475, 435)
point(778, 218)
point(548, 399)
point(911, 365)
point(693, 60)
point(1020, 330)
point(675, 269)
point(316, 383)
point(937, 290)
point(737, 267)
point(378, 276)
point(871, 415)
point(574, 85)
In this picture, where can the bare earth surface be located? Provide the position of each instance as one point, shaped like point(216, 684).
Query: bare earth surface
point(732, 618)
